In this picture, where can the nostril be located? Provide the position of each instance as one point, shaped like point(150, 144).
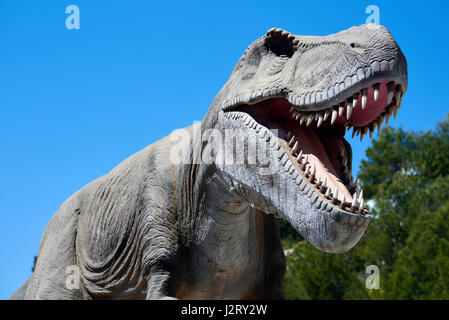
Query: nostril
point(280, 42)
point(353, 45)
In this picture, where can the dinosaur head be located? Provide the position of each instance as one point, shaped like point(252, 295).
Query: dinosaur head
point(299, 95)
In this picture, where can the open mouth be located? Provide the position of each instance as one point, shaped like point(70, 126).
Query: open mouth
point(314, 139)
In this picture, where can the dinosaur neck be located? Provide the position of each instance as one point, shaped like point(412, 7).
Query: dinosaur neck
point(222, 234)
point(230, 238)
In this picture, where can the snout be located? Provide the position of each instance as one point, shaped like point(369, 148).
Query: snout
point(384, 54)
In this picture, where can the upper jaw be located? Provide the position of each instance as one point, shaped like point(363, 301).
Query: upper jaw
point(321, 99)
point(364, 108)
point(324, 96)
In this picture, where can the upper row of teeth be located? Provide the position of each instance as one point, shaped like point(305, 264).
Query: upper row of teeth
point(309, 172)
point(338, 110)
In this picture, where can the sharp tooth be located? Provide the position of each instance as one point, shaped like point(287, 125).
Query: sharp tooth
point(297, 116)
point(326, 114)
point(354, 201)
point(293, 115)
point(387, 116)
point(340, 109)
point(288, 135)
point(304, 163)
point(320, 121)
point(318, 183)
point(298, 158)
point(291, 141)
point(355, 98)
point(301, 121)
point(376, 91)
point(354, 130)
point(390, 88)
point(324, 185)
point(398, 96)
point(360, 199)
point(309, 119)
point(361, 205)
point(292, 108)
point(364, 98)
point(316, 116)
point(371, 131)
point(335, 195)
point(379, 124)
point(342, 204)
point(312, 173)
point(328, 192)
point(334, 116)
point(323, 189)
point(306, 159)
point(295, 147)
point(395, 111)
point(361, 136)
point(348, 110)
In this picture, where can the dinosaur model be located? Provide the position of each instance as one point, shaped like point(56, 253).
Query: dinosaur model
point(193, 217)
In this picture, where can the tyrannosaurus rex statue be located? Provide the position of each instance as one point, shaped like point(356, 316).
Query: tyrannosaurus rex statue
point(184, 219)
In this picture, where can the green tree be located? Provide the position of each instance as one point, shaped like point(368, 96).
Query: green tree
point(312, 274)
point(422, 268)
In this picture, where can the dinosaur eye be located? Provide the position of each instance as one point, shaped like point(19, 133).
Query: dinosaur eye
point(280, 42)
point(356, 47)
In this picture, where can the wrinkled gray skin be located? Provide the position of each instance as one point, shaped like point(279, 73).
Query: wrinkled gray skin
point(154, 229)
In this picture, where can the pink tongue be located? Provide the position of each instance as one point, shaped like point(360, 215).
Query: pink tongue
point(311, 145)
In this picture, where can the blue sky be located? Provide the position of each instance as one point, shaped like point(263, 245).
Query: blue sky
point(75, 103)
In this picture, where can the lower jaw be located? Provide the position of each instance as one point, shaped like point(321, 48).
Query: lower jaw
point(325, 224)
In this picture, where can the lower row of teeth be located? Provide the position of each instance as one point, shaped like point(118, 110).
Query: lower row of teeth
point(309, 172)
point(339, 110)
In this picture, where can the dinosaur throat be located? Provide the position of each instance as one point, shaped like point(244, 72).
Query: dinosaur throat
point(314, 140)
